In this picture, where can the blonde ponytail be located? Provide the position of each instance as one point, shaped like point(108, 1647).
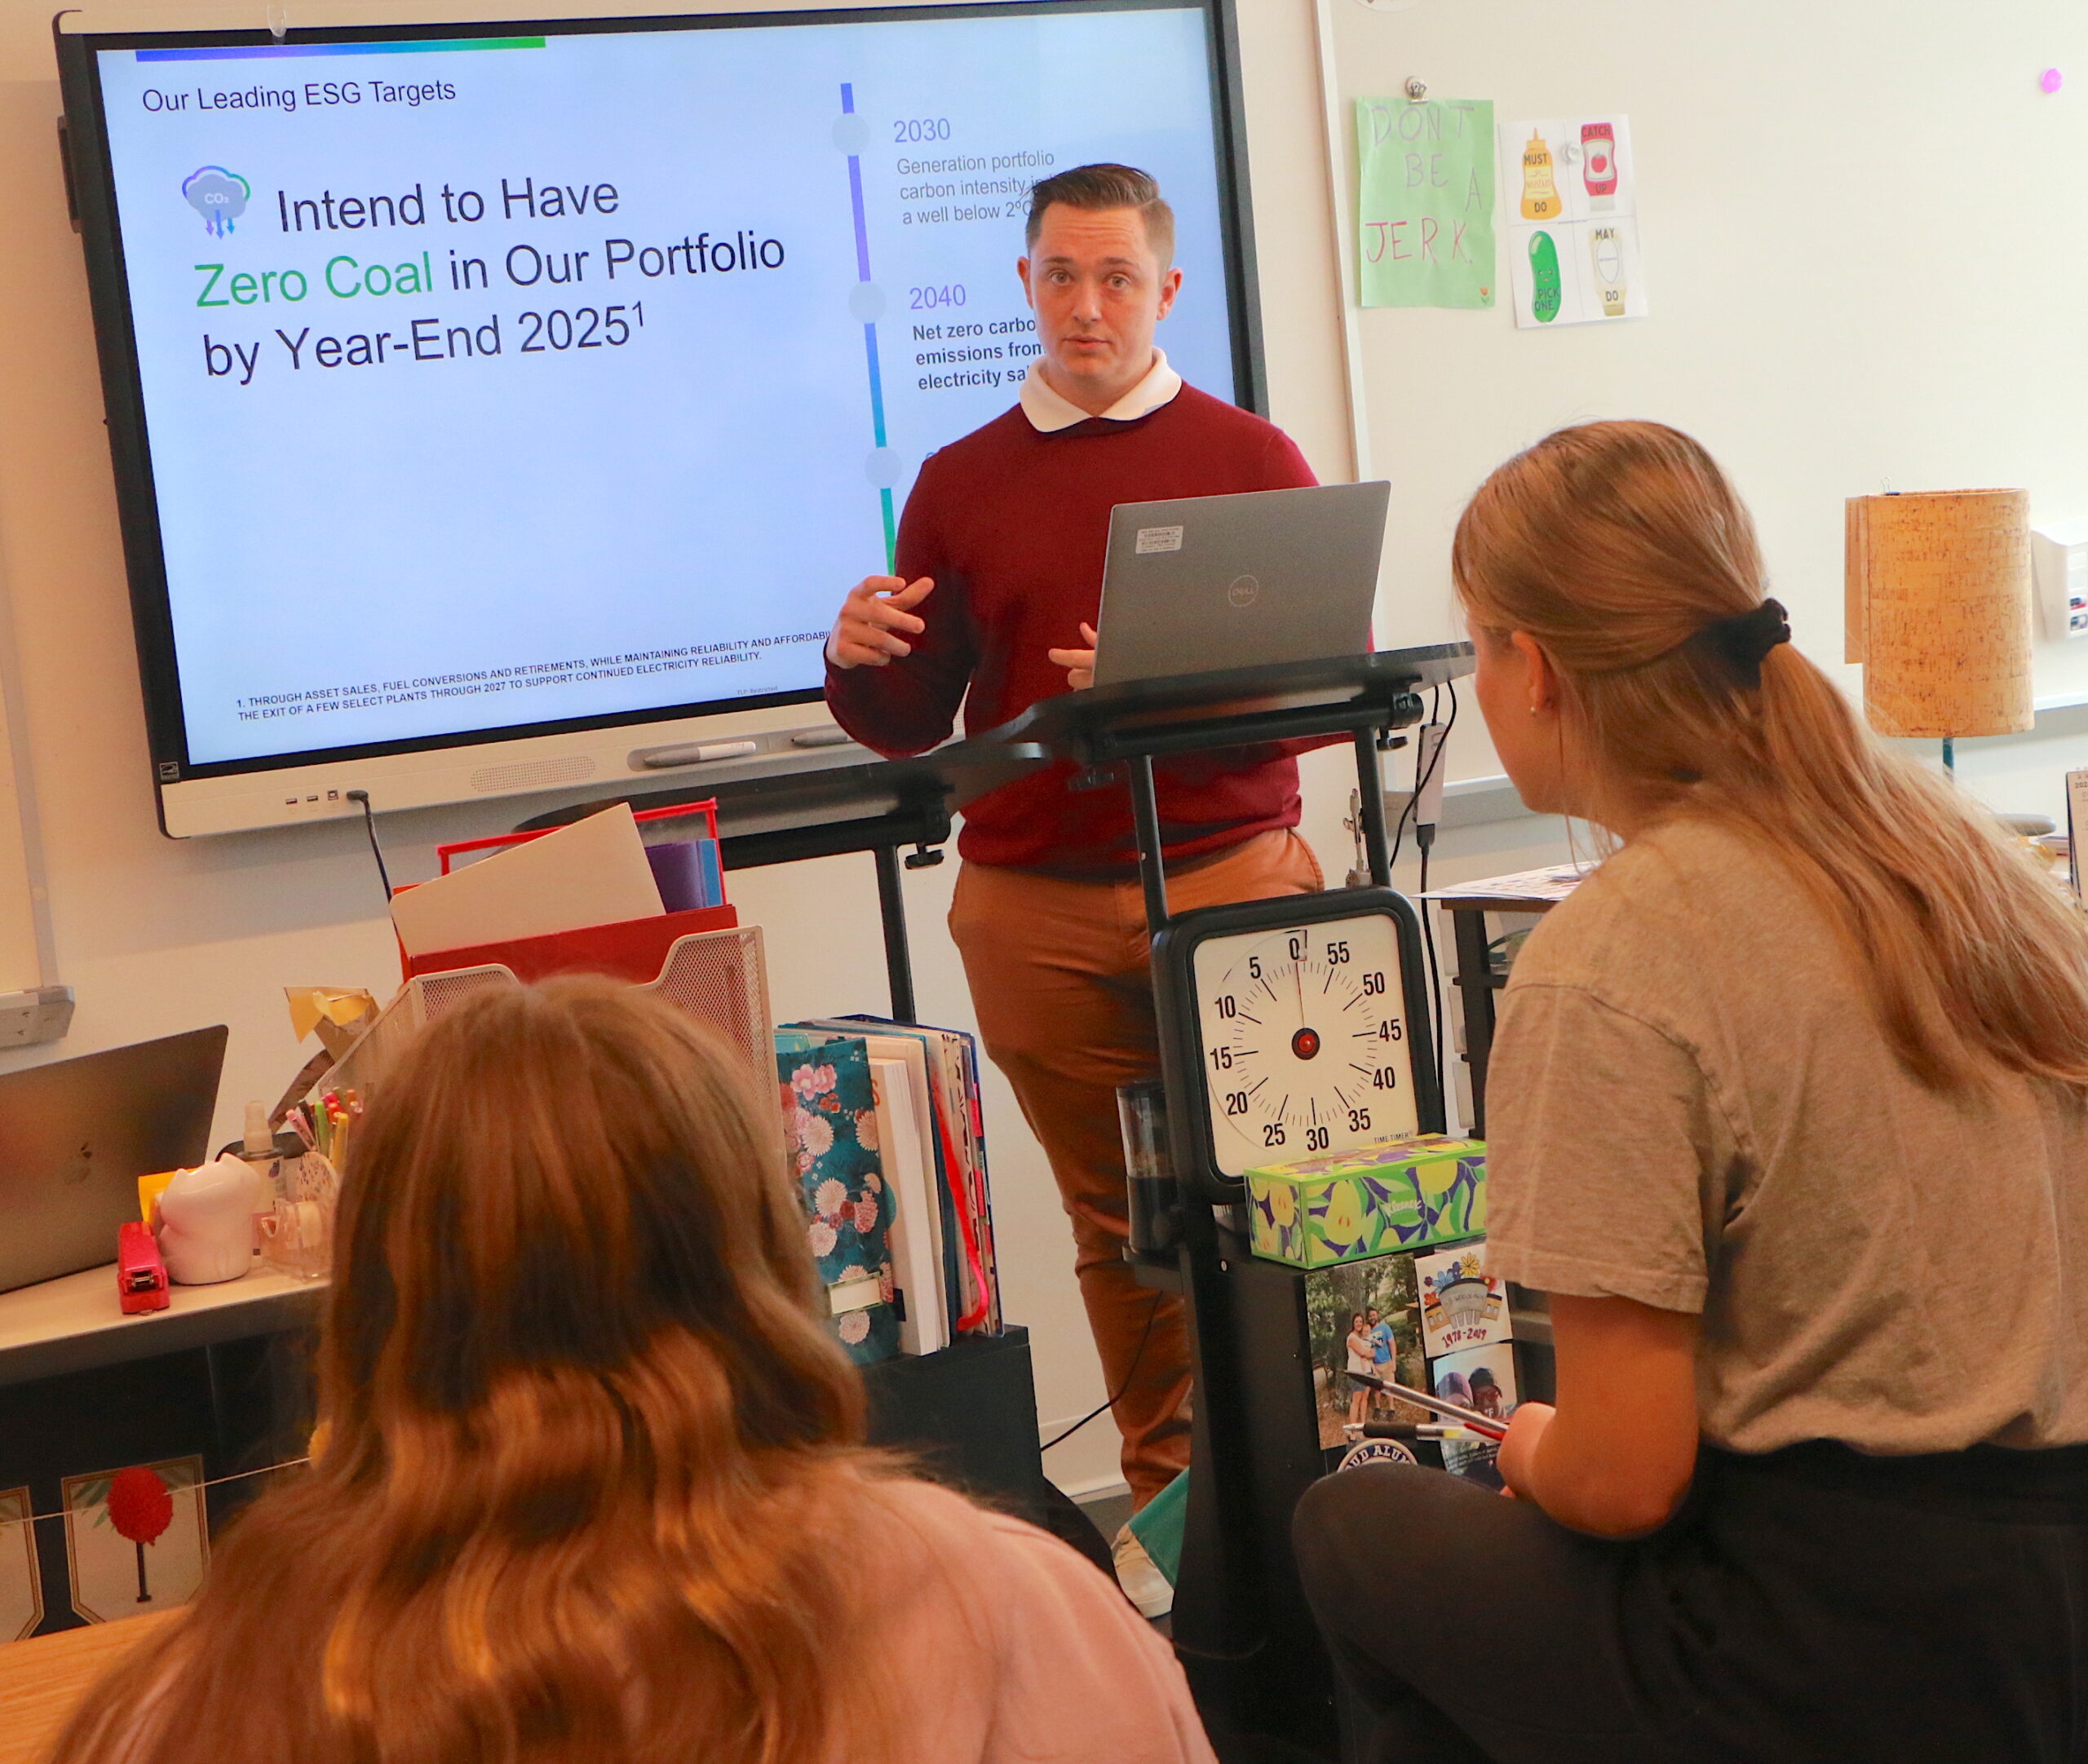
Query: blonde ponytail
point(1614, 546)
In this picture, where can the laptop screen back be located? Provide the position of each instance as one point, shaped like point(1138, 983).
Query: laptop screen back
point(76, 1135)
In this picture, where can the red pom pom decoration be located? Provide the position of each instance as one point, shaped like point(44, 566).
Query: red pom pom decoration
point(140, 1506)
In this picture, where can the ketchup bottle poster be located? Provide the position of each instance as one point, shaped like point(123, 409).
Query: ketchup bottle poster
point(1570, 202)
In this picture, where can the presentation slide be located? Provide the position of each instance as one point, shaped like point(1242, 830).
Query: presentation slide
point(495, 382)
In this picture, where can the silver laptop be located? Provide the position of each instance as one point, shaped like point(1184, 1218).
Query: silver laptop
point(77, 1135)
point(1213, 582)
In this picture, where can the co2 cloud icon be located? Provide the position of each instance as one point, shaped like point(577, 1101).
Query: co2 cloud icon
point(218, 195)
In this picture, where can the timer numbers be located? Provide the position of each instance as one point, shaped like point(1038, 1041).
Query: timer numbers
point(1304, 1040)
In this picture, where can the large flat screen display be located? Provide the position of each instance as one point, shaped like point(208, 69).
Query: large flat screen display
point(511, 378)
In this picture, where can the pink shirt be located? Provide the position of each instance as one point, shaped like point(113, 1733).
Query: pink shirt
point(987, 1642)
point(1008, 1648)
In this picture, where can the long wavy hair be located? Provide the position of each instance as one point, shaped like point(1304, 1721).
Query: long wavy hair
point(1612, 545)
point(589, 1466)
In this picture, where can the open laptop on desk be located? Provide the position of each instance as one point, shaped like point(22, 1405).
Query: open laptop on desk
point(1207, 583)
point(76, 1135)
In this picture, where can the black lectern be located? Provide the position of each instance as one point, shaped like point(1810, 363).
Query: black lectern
point(1357, 1062)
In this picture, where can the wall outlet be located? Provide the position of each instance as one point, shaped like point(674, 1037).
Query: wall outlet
point(2060, 553)
point(42, 1014)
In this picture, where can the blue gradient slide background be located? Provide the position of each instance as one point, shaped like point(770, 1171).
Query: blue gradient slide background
point(413, 547)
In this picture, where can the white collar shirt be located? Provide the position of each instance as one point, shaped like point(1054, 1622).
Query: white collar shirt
point(1048, 412)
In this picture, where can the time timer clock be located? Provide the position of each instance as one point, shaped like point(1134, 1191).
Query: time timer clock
point(1299, 1028)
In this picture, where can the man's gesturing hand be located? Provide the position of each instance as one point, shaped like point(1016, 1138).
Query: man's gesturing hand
point(876, 620)
point(1079, 664)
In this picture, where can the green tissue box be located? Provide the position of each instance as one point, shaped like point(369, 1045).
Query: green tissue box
point(1405, 1194)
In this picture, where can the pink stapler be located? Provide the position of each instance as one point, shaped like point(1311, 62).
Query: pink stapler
point(140, 1274)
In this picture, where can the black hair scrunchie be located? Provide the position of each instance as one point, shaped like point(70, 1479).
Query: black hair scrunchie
point(1745, 640)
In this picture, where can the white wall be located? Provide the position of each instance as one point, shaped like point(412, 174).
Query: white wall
point(158, 936)
point(1856, 249)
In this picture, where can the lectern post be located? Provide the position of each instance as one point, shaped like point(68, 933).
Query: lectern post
point(1241, 1626)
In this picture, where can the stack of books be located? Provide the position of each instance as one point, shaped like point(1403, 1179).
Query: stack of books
point(888, 1144)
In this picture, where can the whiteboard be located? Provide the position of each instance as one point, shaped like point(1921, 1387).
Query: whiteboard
point(28, 957)
point(1865, 245)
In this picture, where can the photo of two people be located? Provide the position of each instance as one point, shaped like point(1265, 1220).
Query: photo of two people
point(1366, 1318)
point(1481, 1378)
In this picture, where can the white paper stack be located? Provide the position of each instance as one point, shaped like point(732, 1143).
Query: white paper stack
point(593, 872)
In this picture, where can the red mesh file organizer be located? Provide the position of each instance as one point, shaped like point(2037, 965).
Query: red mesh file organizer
point(633, 950)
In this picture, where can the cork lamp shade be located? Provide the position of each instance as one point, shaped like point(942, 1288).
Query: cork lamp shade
point(1938, 611)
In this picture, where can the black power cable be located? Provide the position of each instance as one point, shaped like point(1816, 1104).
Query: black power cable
point(1424, 839)
point(1428, 923)
point(1421, 778)
point(1153, 1311)
point(369, 827)
point(1428, 942)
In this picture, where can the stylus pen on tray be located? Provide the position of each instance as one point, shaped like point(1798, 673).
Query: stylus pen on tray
point(1456, 1412)
point(1417, 1429)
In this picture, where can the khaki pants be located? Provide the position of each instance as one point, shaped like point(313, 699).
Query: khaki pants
point(1059, 979)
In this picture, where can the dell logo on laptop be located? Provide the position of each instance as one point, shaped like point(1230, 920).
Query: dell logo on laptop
point(1244, 590)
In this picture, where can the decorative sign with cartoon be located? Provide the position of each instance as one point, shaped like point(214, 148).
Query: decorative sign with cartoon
point(1571, 198)
point(1462, 1305)
point(137, 1538)
point(21, 1593)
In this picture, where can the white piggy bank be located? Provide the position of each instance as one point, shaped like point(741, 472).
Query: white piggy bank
point(206, 1223)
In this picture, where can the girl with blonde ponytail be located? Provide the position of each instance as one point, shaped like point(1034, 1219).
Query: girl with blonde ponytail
point(593, 1488)
point(1788, 1112)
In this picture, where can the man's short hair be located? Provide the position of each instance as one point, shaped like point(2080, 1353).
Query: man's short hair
point(1103, 186)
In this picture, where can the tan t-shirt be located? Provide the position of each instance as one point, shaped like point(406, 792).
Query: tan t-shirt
point(1692, 1104)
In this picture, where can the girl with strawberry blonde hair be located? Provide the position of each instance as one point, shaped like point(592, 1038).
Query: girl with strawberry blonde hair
point(593, 1487)
point(1788, 1113)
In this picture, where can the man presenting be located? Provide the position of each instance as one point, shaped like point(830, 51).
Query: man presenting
point(1000, 556)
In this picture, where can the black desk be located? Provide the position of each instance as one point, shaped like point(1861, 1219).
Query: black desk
point(1139, 721)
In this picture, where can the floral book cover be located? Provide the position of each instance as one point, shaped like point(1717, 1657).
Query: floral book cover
point(829, 1123)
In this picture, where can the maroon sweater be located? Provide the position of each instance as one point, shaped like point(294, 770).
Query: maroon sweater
point(1014, 525)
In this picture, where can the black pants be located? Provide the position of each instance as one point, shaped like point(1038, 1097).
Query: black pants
point(1811, 1604)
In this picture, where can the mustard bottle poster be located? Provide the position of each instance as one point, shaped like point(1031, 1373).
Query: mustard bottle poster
point(1424, 235)
point(1569, 189)
point(1540, 183)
